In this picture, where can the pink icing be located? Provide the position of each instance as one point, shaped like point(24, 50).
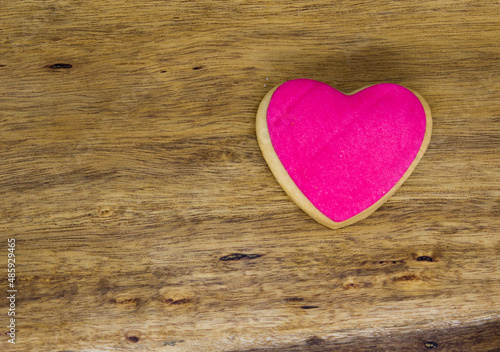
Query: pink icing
point(344, 152)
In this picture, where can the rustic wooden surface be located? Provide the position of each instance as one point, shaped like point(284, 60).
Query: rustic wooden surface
point(146, 218)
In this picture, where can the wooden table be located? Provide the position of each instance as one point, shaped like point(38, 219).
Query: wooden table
point(146, 219)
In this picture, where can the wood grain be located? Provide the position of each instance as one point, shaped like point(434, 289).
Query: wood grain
point(146, 218)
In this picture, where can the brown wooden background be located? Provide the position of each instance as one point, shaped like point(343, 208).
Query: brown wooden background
point(130, 176)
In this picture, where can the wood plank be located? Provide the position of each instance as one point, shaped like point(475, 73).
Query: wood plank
point(146, 218)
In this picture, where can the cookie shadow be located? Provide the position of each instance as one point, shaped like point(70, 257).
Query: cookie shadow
point(351, 69)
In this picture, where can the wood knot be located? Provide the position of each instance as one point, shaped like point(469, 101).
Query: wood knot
point(350, 285)
point(133, 339)
point(431, 344)
point(409, 277)
point(133, 336)
point(177, 297)
point(177, 301)
point(314, 340)
point(105, 211)
point(126, 301)
point(424, 258)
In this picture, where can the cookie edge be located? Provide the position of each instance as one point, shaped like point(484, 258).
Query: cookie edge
point(291, 188)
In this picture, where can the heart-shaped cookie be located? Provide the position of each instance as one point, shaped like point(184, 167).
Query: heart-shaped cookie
point(341, 156)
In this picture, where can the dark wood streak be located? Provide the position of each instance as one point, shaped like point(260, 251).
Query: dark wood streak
point(60, 66)
point(239, 256)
